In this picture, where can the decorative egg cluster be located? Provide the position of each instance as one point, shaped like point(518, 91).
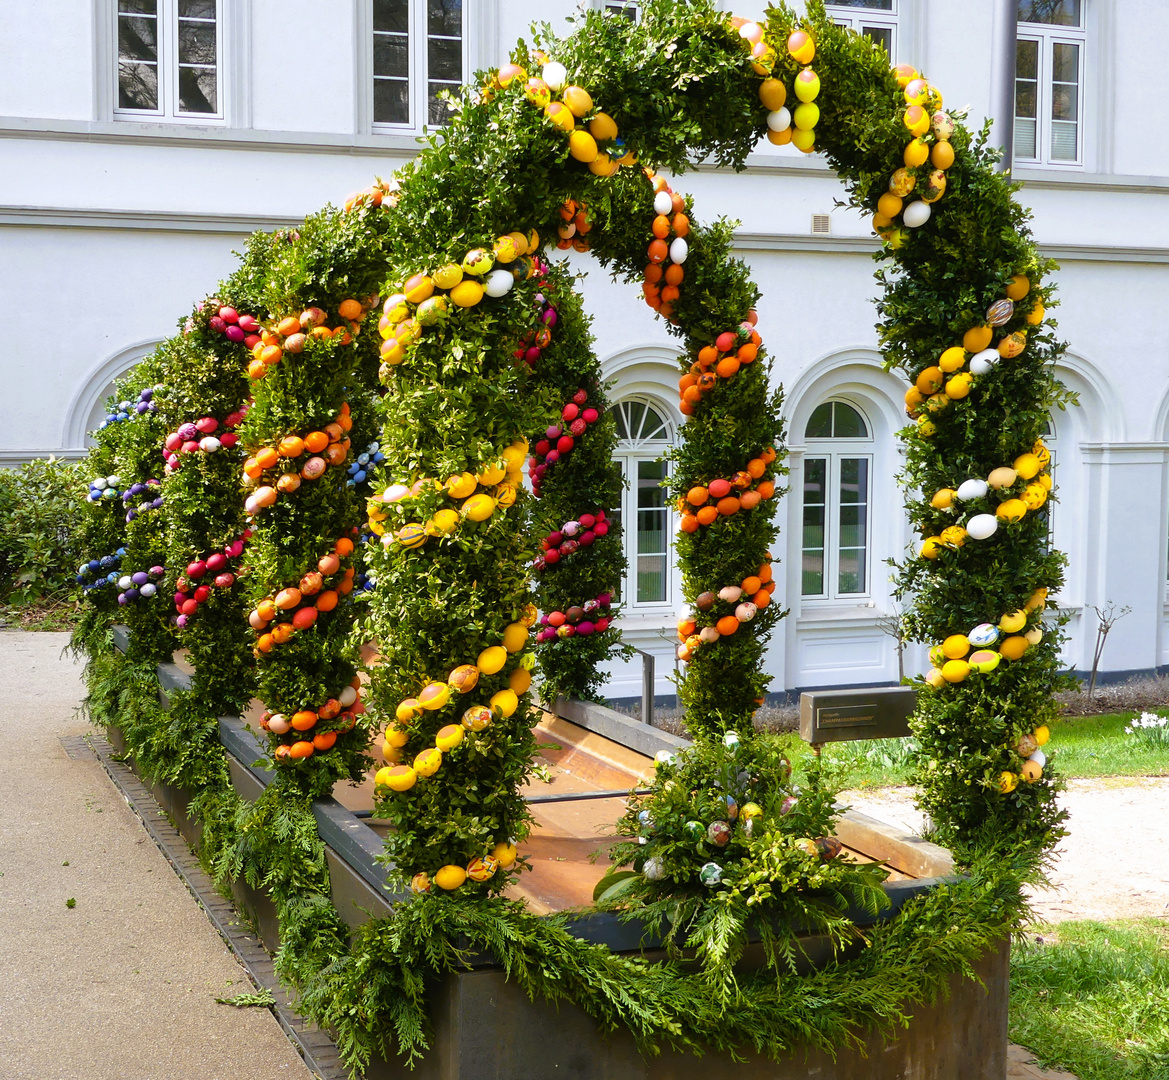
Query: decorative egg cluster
point(193, 588)
point(667, 250)
point(384, 194)
point(533, 343)
point(746, 598)
point(939, 384)
point(570, 538)
point(140, 585)
point(503, 857)
point(397, 776)
point(502, 477)
point(563, 106)
point(151, 488)
point(931, 129)
point(762, 55)
point(796, 126)
point(429, 299)
point(277, 618)
point(104, 489)
point(98, 573)
point(359, 470)
point(122, 411)
point(962, 655)
point(206, 434)
point(325, 449)
point(310, 731)
point(1029, 470)
point(1030, 749)
point(573, 233)
point(238, 329)
point(291, 333)
point(591, 617)
point(578, 417)
point(722, 360)
point(704, 505)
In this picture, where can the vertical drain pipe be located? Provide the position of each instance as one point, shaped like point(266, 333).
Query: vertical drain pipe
point(1004, 36)
point(647, 686)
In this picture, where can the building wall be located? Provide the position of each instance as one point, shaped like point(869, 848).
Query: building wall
point(110, 227)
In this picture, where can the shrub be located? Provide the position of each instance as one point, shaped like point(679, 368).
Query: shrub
point(40, 546)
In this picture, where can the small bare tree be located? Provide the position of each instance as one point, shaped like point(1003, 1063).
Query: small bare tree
point(893, 624)
point(1107, 617)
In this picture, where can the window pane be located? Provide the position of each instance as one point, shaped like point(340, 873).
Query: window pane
point(1065, 62)
point(137, 86)
point(391, 15)
point(138, 7)
point(626, 11)
point(621, 424)
point(1027, 60)
point(197, 90)
point(812, 567)
point(820, 424)
point(391, 56)
point(882, 35)
point(654, 427)
point(197, 9)
point(847, 422)
point(445, 18)
point(872, 5)
point(1064, 142)
point(138, 38)
point(445, 59)
point(437, 112)
point(1026, 99)
point(854, 517)
point(651, 532)
point(1024, 138)
point(391, 101)
point(1052, 12)
point(196, 42)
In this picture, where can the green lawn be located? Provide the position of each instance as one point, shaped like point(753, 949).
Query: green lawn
point(1083, 747)
point(1094, 998)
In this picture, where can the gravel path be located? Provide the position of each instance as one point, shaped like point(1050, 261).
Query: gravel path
point(1114, 864)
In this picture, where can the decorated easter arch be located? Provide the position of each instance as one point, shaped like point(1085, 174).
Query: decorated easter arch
point(449, 393)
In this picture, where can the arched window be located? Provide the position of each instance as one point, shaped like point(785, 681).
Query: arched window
point(1048, 509)
point(644, 436)
point(838, 468)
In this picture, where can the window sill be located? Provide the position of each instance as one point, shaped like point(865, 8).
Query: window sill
point(812, 616)
point(646, 622)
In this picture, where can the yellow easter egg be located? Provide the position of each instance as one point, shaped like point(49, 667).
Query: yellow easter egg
point(1027, 466)
point(448, 276)
point(889, 205)
point(806, 116)
point(977, 338)
point(428, 762)
point(916, 153)
point(1042, 734)
point(936, 679)
point(943, 499)
point(959, 386)
point(505, 854)
point(953, 359)
point(804, 140)
point(1013, 647)
point(515, 637)
point(520, 680)
point(479, 507)
point(408, 711)
point(582, 146)
point(1008, 782)
point(464, 678)
point(396, 777)
point(603, 127)
point(578, 100)
point(506, 494)
point(450, 877)
point(1011, 510)
point(1034, 496)
point(955, 671)
point(445, 521)
point(1013, 623)
point(412, 535)
point(504, 702)
point(954, 536)
point(1037, 601)
point(448, 737)
point(460, 485)
point(434, 695)
point(467, 293)
point(931, 547)
point(491, 660)
point(492, 475)
point(1036, 315)
point(395, 736)
point(1019, 286)
point(772, 93)
point(956, 646)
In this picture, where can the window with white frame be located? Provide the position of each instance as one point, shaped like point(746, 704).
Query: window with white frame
point(874, 19)
point(419, 50)
point(1049, 82)
point(838, 464)
point(169, 59)
point(644, 435)
point(630, 11)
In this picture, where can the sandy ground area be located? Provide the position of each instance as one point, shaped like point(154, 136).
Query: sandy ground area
point(1114, 863)
point(122, 985)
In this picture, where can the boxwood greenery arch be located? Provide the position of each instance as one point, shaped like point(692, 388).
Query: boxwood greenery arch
point(471, 365)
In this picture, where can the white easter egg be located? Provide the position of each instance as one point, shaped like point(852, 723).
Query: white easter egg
point(395, 492)
point(125, 581)
point(981, 363)
point(780, 119)
point(498, 283)
point(983, 634)
point(972, 489)
point(663, 203)
point(278, 724)
point(209, 444)
point(679, 249)
point(149, 589)
point(746, 612)
point(916, 214)
point(1039, 757)
point(347, 697)
point(982, 526)
point(555, 75)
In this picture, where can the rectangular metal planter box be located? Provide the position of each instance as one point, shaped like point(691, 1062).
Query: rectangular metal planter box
point(485, 1028)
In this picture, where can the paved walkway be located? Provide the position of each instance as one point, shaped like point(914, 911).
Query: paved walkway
point(121, 986)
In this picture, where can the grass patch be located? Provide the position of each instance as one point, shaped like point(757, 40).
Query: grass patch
point(46, 615)
point(1094, 998)
point(1098, 746)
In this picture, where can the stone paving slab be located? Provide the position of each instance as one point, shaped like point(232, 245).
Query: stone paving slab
point(121, 986)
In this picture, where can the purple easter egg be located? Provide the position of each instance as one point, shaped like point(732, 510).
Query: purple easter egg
point(234, 333)
point(585, 628)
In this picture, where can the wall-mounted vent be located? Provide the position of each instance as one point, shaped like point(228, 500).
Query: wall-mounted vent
point(821, 225)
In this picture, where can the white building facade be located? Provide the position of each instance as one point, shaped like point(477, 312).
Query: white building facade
point(142, 140)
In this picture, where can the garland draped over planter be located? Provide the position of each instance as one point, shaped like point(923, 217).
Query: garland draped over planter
point(431, 302)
